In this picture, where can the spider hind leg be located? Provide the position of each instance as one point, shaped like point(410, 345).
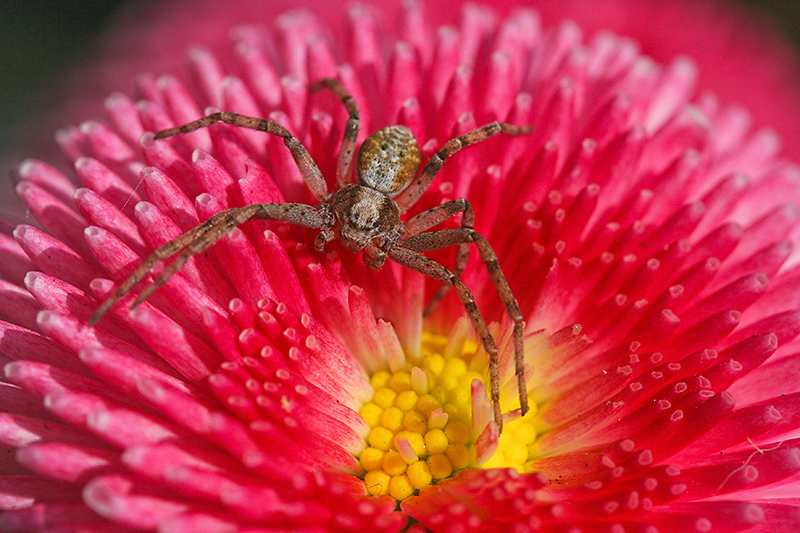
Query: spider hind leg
point(466, 235)
point(431, 268)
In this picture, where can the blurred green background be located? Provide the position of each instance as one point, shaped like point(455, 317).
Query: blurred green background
point(41, 41)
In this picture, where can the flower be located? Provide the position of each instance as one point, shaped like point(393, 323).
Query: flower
point(741, 57)
point(647, 232)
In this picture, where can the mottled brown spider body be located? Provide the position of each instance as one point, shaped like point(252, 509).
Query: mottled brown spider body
point(388, 160)
point(364, 216)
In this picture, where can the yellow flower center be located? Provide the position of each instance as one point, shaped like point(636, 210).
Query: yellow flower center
point(420, 421)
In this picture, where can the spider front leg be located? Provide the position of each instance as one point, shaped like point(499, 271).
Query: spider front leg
point(350, 129)
point(464, 236)
point(413, 192)
point(433, 217)
point(308, 168)
point(429, 267)
point(207, 234)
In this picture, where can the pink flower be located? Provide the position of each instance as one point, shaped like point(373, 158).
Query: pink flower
point(646, 230)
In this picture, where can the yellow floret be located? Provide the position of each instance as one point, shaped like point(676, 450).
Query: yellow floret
point(437, 420)
point(440, 394)
point(433, 364)
point(380, 437)
point(419, 474)
point(453, 371)
point(414, 439)
point(371, 413)
point(440, 466)
point(448, 382)
point(468, 377)
point(455, 366)
point(458, 432)
point(496, 461)
point(458, 455)
point(377, 482)
point(400, 381)
point(393, 464)
point(384, 397)
point(436, 441)
point(371, 458)
point(406, 400)
point(400, 487)
point(379, 379)
point(461, 394)
point(420, 420)
point(516, 453)
point(433, 342)
point(392, 419)
point(524, 432)
point(427, 403)
point(406, 451)
point(414, 421)
point(456, 412)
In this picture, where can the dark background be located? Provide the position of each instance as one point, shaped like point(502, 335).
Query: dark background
point(43, 40)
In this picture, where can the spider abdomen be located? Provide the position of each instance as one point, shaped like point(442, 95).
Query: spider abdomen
point(388, 160)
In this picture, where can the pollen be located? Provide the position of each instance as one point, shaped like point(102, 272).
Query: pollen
point(420, 420)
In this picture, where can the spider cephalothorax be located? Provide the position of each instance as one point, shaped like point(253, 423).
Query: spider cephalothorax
point(364, 216)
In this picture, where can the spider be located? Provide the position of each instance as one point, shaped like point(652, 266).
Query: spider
point(364, 217)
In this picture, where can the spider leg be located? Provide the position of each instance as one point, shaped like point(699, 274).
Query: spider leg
point(308, 168)
point(444, 238)
point(410, 196)
point(207, 234)
point(427, 266)
point(434, 216)
point(350, 129)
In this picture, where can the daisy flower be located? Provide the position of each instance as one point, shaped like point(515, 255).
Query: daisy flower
point(646, 228)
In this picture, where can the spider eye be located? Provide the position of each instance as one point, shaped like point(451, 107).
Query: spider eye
point(388, 160)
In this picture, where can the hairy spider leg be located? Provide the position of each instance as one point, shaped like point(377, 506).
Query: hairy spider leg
point(308, 168)
point(413, 192)
point(218, 225)
point(203, 236)
point(348, 147)
point(441, 239)
point(433, 217)
point(427, 266)
point(438, 214)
